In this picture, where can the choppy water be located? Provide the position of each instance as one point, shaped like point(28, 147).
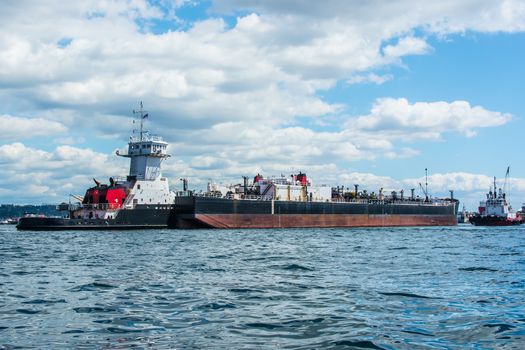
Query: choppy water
point(403, 288)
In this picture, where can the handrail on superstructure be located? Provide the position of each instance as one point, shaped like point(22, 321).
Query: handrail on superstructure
point(146, 138)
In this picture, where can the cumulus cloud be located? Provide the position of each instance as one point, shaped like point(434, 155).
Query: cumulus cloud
point(370, 78)
point(101, 55)
point(428, 119)
point(407, 46)
point(17, 128)
point(50, 176)
point(228, 94)
point(445, 16)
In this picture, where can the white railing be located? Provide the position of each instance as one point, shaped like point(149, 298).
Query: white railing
point(101, 206)
point(120, 178)
point(404, 201)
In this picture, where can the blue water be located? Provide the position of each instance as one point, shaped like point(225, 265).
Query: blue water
point(404, 288)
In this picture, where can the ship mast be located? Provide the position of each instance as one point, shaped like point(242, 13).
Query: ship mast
point(142, 115)
point(495, 191)
point(146, 151)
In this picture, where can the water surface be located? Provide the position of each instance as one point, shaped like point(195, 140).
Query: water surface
point(396, 288)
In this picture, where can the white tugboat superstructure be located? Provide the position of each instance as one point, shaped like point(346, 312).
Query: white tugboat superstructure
point(146, 153)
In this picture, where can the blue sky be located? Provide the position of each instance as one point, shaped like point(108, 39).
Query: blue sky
point(484, 69)
point(348, 91)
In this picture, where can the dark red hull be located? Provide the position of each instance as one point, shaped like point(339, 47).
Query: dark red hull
point(305, 220)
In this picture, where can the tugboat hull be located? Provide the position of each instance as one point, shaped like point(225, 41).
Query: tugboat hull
point(493, 221)
point(63, 224)
point(142, 217)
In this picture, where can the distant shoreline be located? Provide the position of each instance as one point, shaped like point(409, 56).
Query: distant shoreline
point(8, 211)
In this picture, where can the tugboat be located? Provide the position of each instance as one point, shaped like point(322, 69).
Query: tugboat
point(140, 200)
point(495, 210)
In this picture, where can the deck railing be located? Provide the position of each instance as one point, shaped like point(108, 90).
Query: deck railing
point(405, 201)
point(93, 206)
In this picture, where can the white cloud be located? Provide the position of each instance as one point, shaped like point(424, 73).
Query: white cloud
point(33, 174)
point(229, 95)
point(407, 46)
point(428, 119)
point(258, 68)
point(370, 78)
point(446, 16)
point(18, 128)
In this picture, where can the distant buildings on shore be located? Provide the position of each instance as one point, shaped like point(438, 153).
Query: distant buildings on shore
point(12, 211)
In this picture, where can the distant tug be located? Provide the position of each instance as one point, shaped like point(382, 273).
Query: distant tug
point(495, 210)
point(143, 200)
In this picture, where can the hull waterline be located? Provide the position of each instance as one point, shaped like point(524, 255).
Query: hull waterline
point(203, 212)
point(231, 221)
